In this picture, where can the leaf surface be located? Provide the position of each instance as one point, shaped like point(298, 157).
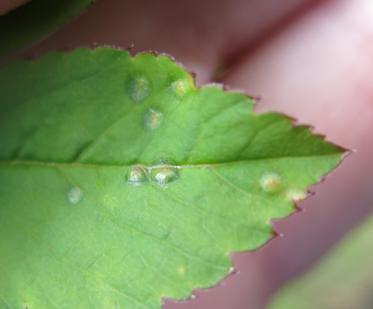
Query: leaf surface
point(34, 21)
point(122, 183)
point(341, 280)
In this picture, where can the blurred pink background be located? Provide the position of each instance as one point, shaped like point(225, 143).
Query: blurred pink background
point(310, 59)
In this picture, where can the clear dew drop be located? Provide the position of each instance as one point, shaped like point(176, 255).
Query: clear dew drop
point(163, 175)
point(180, 87)
point(271, 182)
point(137, 175)
point(74, 195)
point(139, 89)
point(153, 119)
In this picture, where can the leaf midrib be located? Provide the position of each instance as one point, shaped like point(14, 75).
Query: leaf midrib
point(180, 165)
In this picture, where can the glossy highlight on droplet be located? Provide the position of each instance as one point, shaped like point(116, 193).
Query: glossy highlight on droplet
point(74, 195)
point(271, 182)
point(139, 89)
point(163, 175)
point(137, 175)
point(153, 119)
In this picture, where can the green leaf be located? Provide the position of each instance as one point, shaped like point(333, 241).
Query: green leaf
point(341, 280)
point(121, 183)
point(34, 21)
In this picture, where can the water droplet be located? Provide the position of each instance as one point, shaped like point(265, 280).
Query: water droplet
point(180, 87)
point(271, 182)
point(74, 195)
point(153, 119)
point(163, 175)
point(296, 195)
point(139, 89)
point(137, 175)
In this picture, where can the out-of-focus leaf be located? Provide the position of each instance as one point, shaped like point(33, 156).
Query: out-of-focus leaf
point(34, 21)
point(122, 183)
point(342, 280)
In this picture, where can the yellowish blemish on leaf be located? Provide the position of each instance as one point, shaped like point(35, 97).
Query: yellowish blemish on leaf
point(296, 195)
point(182, 270)
point(271, 182)
point(153, 119)
point(180, 87)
